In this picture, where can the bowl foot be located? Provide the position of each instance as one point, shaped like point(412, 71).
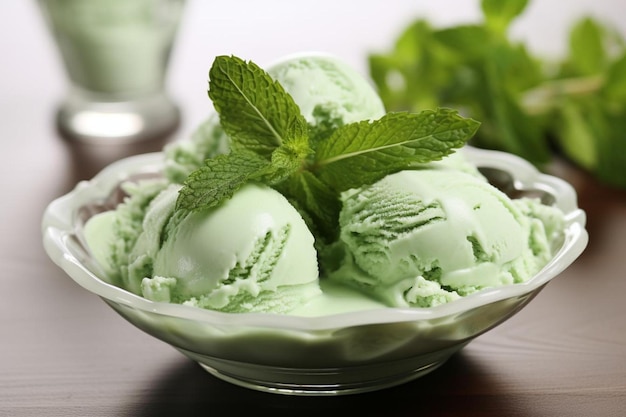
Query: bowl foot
point(322, 389)
point(324, 381)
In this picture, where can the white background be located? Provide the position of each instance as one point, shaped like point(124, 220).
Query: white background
point(31, 76)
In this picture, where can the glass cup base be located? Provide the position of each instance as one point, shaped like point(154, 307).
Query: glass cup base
point(117, 122)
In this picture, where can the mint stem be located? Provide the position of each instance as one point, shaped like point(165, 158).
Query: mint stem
point(545, 96)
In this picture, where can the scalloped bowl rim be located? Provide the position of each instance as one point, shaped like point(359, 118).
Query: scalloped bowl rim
point(58, 225)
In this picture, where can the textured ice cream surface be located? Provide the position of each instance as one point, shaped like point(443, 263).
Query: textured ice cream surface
point(327, 90)
point(426, 237)
point(124, 228)
point(183, 157)
point(252, 253)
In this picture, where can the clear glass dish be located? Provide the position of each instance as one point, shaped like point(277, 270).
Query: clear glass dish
point(328, 355)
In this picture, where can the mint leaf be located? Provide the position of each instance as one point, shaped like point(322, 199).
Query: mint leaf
point(615, 87)
point(255, 111)
point(530, 106)
point(507, 126)
point(499, 14)
point(587, 54)
point(612, 149)
point(409, 77)
point(219, 178)
point(577, 137)
point(364, 152)
point(470, 39)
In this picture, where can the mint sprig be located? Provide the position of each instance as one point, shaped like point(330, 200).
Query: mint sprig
point(267, 131)
point(271, 143)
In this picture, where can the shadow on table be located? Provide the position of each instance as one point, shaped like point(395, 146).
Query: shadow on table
point(459, 386)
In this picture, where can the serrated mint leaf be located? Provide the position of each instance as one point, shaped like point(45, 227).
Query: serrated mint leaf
point(219, 178)
point(255, 111)
point(364, 152)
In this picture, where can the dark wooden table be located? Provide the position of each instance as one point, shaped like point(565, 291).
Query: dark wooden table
point(63, 352)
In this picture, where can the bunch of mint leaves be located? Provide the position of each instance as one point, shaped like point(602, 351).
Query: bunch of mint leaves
point(574, 106)
point(272, 143)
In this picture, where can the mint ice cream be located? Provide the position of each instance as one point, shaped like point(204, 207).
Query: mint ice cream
point(318, 174)
point(254, 253)
point(426, 237)
point(327, 90)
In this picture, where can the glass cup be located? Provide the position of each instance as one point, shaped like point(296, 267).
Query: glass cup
point(116, 55)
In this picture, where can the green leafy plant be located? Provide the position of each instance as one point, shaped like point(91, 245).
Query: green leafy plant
point(527, 105)
point(271, 143)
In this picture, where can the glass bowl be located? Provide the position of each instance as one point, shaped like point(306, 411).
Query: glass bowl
point(328, 355)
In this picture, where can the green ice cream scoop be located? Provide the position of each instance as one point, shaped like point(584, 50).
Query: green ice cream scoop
point(252, 253)
point(327, 90)
point(426, 237)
